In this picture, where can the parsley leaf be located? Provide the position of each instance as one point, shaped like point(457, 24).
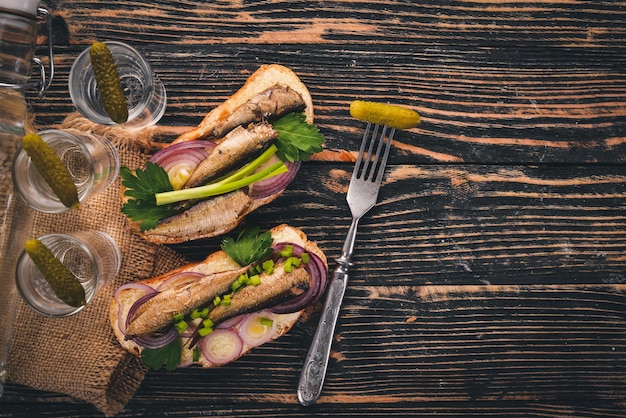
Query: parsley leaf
point(250, 246)
point(141, 187)
point(170, 355)
point(297, 140)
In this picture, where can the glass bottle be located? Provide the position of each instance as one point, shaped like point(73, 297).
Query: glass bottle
point(18, 34)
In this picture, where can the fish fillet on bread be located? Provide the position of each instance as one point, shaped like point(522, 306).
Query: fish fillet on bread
point(269, 93)
point(143, 314)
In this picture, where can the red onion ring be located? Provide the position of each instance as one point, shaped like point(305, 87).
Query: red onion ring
point(182, 148)
point(179, 279)
point(229, 323)
point(254, 340)
point(221, 358)
point(120, 317)
point(152, 340)
point(319, 279)
point(273, 185)
point(157, 341)
point(184, 155)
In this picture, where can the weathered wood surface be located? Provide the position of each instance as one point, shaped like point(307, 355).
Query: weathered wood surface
point(490, 279)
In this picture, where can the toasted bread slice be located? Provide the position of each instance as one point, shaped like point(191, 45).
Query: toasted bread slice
point(216, 262)
point(262, 79)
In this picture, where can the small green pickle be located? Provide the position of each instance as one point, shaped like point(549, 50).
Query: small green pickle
point(52, 169)
point(108, 82)
point(64, 284)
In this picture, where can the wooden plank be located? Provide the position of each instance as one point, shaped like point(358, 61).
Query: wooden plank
point(489, 280)
point(408, 349)
point(478, 105)
point(465, 224)
point(550, 24)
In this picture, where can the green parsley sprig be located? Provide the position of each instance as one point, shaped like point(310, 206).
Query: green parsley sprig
point(249, 247)
point(170, 355)
point(141, 187)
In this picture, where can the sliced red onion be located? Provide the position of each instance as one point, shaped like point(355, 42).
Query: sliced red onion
point(319, 278)
point(252, 330)
point(138, 286)
point(157, 340)
point(153, 340)
point(272, 185)
point(229, 323)
point(121, 321)
point(181, 148)
point(179, 279)
point(221, 346)
point(182, 157)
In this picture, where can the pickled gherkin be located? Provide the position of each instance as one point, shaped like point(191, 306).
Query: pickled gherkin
point(385, 114)
point(52, 169)
point(108, 82)
point(64, 284)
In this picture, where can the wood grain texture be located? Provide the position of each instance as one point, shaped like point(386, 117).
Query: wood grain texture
point(476, 106)
point(489, 280)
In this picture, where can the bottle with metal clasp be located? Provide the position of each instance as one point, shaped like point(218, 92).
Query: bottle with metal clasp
point(19, 21)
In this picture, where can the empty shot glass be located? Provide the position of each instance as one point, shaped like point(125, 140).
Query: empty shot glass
point(92, 256)
point(145, 94)
point(92, 160)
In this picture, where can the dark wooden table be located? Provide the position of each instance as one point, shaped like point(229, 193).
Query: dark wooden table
point(490, 278)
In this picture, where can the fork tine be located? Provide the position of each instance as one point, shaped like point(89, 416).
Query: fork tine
point(378, 165)
point(383, 161)
point(370, 166)
point(356, 173)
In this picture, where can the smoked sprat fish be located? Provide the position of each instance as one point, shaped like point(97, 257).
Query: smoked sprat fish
point(159, 311)
point(277, 100)
point(239, 145)
point(274, 288)
point(217, 215)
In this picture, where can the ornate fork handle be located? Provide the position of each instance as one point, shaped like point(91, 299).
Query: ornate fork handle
point(316, 362)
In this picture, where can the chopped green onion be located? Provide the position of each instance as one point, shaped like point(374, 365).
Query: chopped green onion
point(288, 265)
point(235, 285)
point(225, 300)
point(268, 266)
point(195, 314)
point(255, 280)
point(217, 300)
point(268, 322)
point(295, 261)
point(181, 326)
point(203, 332)
point(208, 323)
point(305, 258)
point(178, 317)
point(287, 251)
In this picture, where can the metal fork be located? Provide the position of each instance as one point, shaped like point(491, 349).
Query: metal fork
point(362, 196)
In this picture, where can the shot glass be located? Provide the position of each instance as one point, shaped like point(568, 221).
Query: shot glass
point(92, 161)
point(145, 93)
point(92, 256)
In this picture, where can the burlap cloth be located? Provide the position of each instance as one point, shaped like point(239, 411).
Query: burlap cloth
point(79, 355)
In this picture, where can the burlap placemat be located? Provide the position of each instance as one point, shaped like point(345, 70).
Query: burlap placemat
point(79, 355)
